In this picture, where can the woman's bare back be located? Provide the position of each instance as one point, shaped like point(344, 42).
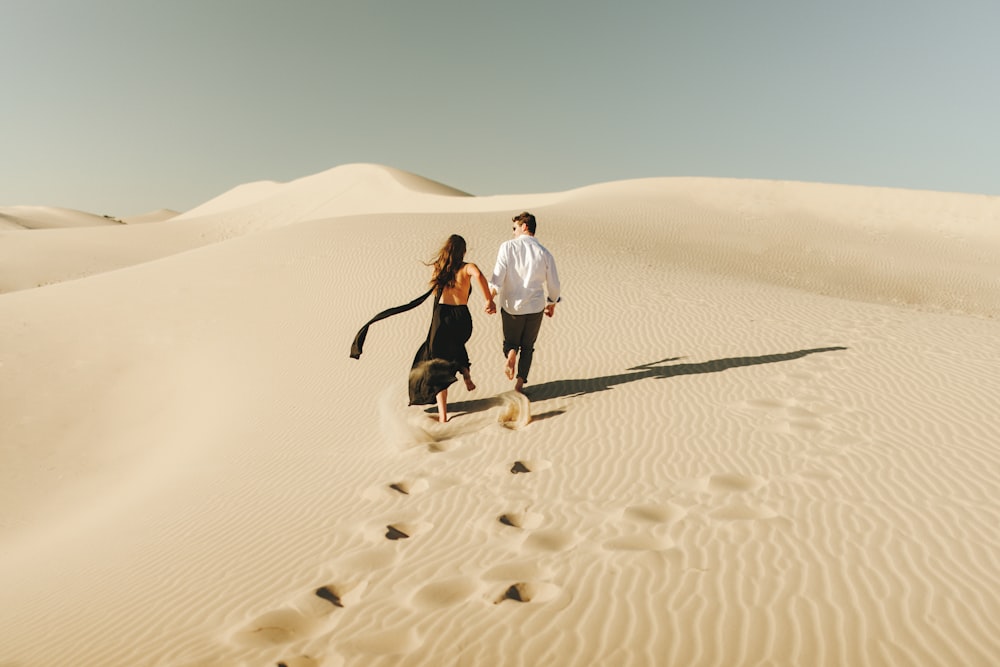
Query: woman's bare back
point(458, 294)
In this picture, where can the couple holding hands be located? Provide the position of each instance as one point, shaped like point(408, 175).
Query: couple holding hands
point(527, 284)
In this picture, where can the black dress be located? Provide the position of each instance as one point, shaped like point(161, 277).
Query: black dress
point(443, 354)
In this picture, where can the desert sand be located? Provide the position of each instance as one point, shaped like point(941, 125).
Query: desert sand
point(761, 429)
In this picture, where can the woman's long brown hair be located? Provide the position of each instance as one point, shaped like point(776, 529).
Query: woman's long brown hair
point(449, 260)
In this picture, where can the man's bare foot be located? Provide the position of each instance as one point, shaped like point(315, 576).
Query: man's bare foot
point(443, 419)
point(511, 363)
point(519, 385)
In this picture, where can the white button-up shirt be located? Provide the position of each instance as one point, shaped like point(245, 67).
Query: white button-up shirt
point(524, 275)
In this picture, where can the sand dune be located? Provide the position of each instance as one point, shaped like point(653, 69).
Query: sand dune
point(49, 217)
point(353, 188)
point(159, 215)
point(362, 189)
point(759, 430)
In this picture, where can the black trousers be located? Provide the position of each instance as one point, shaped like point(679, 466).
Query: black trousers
point(520, 333)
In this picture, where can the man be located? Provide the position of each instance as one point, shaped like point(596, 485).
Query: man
point(525, 277)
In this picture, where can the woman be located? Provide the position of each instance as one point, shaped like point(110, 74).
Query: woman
point(443, 354)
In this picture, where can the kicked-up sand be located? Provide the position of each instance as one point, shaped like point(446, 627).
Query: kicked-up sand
point(761, 429)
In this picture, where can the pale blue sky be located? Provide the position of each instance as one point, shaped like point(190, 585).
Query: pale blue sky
point(123, 106)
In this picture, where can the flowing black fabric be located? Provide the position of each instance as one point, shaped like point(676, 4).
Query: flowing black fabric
point(359, 340)
point(442, 355)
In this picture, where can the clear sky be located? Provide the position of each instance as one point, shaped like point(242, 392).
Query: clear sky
point(124, 106)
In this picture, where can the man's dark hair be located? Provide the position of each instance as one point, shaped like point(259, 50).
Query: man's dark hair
point(527, 219)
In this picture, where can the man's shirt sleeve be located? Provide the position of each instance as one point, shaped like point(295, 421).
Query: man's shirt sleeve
point(499, 270)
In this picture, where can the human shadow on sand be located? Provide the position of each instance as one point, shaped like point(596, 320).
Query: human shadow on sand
point(578, 387)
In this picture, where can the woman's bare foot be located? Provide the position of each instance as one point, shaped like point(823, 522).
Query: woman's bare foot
point(511, 363)
point(469, 384)
point(519, 385)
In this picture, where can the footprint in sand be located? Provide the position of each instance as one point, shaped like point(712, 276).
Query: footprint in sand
point(397, 533)
point(331, 594)
point(655, 514)
point(447, 593)
point(296, 661)
point(526, 520)
point(301, 661)
point(733, 483)
point(308, 616)
point(408, 487)
point(652, 522)
point(401, 487)
point(547, 540)
point(393, 531)
point(722, 483)
point(519, 581)
point(526, 591)
point(282, 626)
point(523, 466)
point(550, 540)
point(730, 501)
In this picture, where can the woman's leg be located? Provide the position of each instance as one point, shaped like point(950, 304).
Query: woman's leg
point(442, 403)
point(467, 376)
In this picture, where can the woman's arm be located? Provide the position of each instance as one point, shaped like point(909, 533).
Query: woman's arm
point(484, 286)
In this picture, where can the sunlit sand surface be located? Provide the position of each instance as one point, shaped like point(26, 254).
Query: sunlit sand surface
point(761, 429)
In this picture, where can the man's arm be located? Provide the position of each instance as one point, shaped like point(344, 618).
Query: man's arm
point(552, 286)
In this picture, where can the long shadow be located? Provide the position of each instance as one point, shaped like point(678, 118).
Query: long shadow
point(577, 387)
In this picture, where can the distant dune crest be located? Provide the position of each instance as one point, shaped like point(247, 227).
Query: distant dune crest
point(351, 186)
point(50, 217)
point(159, 215)
point(53, 217)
